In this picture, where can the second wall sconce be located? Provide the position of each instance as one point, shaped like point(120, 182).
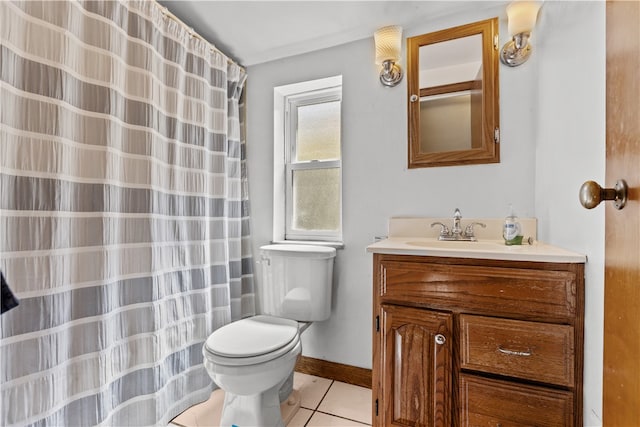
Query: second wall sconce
point(522, 17)
point(388, 47)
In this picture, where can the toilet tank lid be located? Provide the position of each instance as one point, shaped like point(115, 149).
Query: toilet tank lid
point(309, 251)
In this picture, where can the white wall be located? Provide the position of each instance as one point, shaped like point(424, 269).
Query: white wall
point(570, 149)
point(552, 114)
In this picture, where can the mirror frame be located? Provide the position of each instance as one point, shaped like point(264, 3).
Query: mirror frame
point(489, 152)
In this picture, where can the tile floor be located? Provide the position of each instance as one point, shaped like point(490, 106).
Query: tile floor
point(323, 403)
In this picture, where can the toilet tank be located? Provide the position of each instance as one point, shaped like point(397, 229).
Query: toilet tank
point(296, 281)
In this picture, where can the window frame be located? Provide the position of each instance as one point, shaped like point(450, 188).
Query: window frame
point(286, 101)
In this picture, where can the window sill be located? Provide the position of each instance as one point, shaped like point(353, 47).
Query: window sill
point(337, 245)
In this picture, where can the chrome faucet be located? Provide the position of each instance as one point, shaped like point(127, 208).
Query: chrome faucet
point(456, 233)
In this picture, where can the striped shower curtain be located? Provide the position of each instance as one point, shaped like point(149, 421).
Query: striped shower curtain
point(123, 212)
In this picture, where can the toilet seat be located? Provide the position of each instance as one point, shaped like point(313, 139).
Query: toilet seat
point(251, 341)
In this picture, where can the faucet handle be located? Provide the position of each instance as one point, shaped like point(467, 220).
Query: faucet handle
point(444, 230)
point(468, 230)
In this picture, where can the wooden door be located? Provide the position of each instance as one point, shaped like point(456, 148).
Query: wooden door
point(416, 377)
point(621, 382)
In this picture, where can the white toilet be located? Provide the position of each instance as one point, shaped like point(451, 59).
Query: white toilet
point(252, 358)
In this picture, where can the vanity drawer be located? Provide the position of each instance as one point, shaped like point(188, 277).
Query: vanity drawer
point(532, 293)
point(487, 402)
point(530, 350)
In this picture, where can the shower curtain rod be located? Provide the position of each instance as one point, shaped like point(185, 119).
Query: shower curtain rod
point(166, 12)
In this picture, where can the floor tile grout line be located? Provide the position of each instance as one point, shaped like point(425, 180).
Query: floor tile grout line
point(321, 399)
point(344, 418)
point(324, 395)
point(319, 403)
point(335, 415)
point(309, 419)
point(328, 413)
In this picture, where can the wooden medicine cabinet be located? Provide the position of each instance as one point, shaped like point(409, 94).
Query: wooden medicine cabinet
point(453, 96)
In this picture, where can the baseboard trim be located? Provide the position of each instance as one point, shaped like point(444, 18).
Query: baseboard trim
point(334, 371)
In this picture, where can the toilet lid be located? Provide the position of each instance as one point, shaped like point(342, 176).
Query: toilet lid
point(253, 336)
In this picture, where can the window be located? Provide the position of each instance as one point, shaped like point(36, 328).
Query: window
point(308, 165)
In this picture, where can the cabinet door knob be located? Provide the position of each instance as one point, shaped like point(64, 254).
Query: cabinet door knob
point(440, 339)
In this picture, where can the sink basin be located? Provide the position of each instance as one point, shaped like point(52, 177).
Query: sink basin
point(458, 245)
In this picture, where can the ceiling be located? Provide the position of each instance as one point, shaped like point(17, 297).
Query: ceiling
point(252, 32)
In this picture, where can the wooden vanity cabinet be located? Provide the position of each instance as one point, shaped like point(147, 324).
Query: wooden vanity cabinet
point(473, 342)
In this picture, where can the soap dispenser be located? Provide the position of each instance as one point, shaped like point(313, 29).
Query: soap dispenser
point(511, 230)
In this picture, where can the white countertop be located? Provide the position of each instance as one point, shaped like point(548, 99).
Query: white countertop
point(483, 249)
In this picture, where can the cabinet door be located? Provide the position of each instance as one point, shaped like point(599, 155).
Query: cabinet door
point(416, 364)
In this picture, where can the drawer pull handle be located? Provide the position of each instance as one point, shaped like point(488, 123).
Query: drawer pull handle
point(514, 352)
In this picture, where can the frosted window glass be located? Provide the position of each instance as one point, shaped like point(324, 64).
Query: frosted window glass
point(316, 199)
point(318, 132)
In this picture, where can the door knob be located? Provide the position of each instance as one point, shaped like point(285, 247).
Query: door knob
point(591, 194)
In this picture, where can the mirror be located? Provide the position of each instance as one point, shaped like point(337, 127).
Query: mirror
point(453, 91)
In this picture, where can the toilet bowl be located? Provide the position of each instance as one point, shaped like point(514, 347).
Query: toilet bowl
point(251, 359)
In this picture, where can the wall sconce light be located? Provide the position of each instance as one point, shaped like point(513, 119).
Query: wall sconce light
point(388, 46)
point(522, 17)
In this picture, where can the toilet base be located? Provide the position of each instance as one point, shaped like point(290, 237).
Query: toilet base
point(264, 409)
point(208, 413)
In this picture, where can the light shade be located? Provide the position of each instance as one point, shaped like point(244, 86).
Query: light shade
point(522, 16)
point(388, 43)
